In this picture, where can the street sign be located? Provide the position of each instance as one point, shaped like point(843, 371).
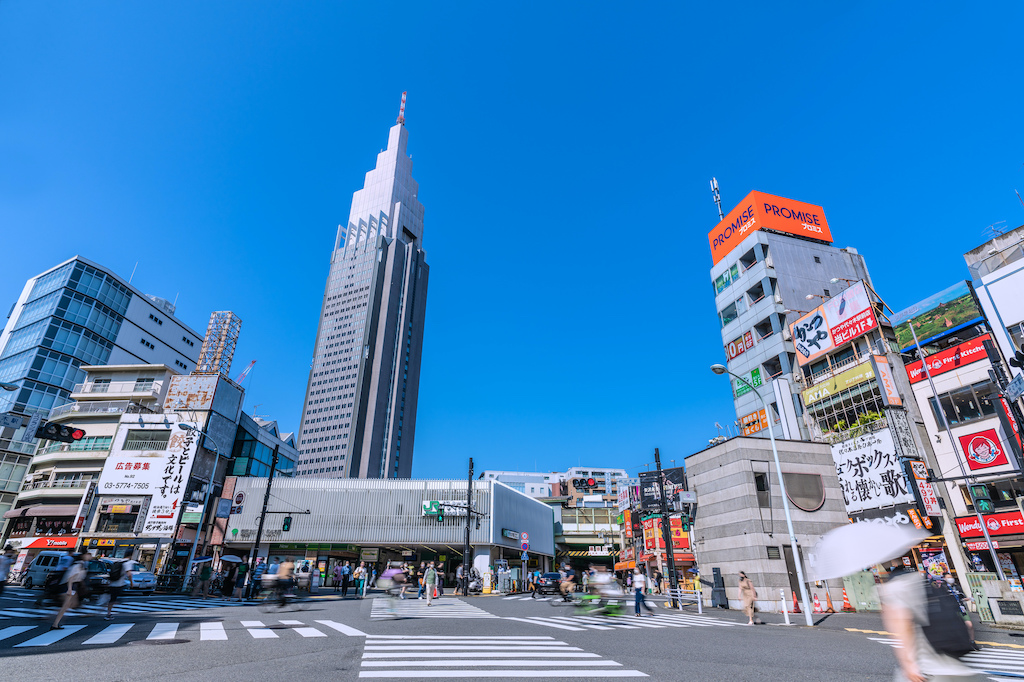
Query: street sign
point(1015, 389)
point(30, 430)
point(524, 546)
point(524, 556)
point(687, 497)
point(525, 536)
point(240, 498)
point(10, 420)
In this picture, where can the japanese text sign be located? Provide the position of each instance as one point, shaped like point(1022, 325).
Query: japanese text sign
point(759, 210)
point(754, 422)
point(870, 473)
point(927, 490)
point(834, 323)
point(952, 358)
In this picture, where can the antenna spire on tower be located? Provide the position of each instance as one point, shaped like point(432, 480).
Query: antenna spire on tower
point(718, 198)
point(401, 111)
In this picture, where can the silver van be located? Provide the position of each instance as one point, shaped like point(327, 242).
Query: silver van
point(44, 563)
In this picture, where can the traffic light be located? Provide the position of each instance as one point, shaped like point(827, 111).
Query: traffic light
point(584, 483)
point(1018, 359)
point(287, 525)
point(981, 498)
point(565, 503)
point(685, 518)
point(440, 515)
point(59, 432)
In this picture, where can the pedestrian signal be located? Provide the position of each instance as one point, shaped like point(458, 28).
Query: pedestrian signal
point(287, 525)
point(982, 500)
point(1018, 359)
point(59, 432)
point(440, 517)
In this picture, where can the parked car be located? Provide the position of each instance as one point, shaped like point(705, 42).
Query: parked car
point(43, 563)
point(549, 583)
point(141, 579)
point(97, 575)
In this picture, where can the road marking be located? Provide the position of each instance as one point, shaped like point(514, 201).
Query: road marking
point(468, 647)
point(870, 632)
point(1014, 646)
point(456, 637)
point(309, 632)
point(342, 628)
point(515, 664)
point(483, 654)
point(252, 624)
point(537, 621)
point(501, 673)
point(15, 630)
point(110, 634)
point(291, 622)
point(48, 638)
point(212, 631)
point(164, 631)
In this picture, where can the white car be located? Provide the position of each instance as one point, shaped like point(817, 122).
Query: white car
point(141, 578)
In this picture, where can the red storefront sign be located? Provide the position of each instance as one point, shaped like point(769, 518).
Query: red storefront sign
point(952, 358)
point(981, 546)
point(1005, 523)
point(654, 540)
point(740, 346)
point(52, 543)
point(983, 450)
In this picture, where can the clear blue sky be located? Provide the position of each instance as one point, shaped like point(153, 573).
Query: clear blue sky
point(563, 152)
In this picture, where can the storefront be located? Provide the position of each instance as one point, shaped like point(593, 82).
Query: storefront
point(1006, 529)
point(380, 521)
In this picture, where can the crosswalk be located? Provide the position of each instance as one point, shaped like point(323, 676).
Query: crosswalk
point(578, 623)
point(126, 608)
point(92, 634)
point(996, 663)
point(448, 607)
point(426, 656)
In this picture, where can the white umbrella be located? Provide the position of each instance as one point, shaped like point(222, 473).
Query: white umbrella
point(231, 558)
point(851, 548)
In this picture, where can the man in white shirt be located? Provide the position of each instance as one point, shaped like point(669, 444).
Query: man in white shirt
point(120, 577)
point(639, 583)
point(6, 560)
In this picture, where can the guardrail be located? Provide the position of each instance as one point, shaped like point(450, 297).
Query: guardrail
point(681, 596)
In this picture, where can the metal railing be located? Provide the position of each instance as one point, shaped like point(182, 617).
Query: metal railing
point(102, 407)
point(36, 485)
point(17, 446)
point(80, 446)
point(681, 597)
point(838, 367)
point(117, 387)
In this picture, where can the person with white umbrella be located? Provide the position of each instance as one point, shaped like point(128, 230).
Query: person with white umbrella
point(911, 608)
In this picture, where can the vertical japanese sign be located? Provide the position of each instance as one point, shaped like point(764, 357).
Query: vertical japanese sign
point(834, 323)
point(755, 381)
point(927, 490)
point(870, 473)
point(886, 381)
point(754, 422)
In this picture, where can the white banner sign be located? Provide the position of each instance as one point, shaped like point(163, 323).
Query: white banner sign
point(870, 472)
point(931, 502)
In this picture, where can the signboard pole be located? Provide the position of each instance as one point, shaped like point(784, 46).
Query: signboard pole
point(259, 527)
point(956, 452)
point(666, 531)
point(467, 564)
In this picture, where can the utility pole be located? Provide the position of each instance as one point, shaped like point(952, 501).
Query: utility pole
point(666, 532)
point(466, 564)
point(263, 516)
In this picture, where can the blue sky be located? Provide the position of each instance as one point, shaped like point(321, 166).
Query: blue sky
point(563, 152)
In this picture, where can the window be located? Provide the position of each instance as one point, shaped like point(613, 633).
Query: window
point(1016, 332)
point(827, 292)
point(147, 439)
point(761, 484)
point(817, 259)
point(144, 384)
point(966, 404)
point(101, 385)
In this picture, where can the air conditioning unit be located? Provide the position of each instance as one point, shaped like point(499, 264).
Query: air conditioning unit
point(786, 335)
point(798, 377)
point(778, 298)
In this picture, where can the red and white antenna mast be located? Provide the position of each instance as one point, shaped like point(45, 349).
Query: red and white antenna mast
point(401, 111)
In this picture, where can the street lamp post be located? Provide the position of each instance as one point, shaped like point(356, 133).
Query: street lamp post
point(9, 387)
point(721, 369)
point(206, 497)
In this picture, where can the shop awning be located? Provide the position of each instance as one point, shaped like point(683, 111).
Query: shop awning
point(66, 543)
point(43, 510)
point(625, 565)
point(585, 553)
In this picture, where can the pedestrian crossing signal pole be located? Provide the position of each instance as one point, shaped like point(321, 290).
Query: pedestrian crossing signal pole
point(259, 527)
point(666, 533)
point(466, 563)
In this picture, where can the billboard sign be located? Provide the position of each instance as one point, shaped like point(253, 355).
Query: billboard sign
point(958, 356)
point(870, 473)
point(1004, 523)
point(761, 211)
point(886, 381)
point(927, 490)
point(938, 315)
point(650, 496)
point(840, 382)
point(754, 422)
point(837, 321)
point(740, 346)
point(983, 450)
point(754, 379)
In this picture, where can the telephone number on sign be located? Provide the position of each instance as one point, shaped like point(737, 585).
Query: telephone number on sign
point(124, 486)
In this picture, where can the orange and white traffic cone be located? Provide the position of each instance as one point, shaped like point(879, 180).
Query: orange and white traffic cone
point(846, 603)
point(828, 602)
point(817, 604)
point(796, 605)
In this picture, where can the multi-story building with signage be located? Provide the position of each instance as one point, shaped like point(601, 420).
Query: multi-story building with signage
point(997, 271)
point(771, 255)
point(359, 418)
point(75, 314)
point(982, 443)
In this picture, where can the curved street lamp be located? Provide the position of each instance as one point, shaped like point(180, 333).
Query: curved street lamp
point(722, 369)
point(206, 496)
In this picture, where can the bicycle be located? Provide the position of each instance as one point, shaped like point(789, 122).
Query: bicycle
point(567, 599)
point(272, 600)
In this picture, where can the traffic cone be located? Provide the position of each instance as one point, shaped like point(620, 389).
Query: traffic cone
point(846, 603)
point(817, 604)
point(796, 605)
point(828, 602)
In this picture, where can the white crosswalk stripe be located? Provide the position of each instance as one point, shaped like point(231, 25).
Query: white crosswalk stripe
point(998, 664)
point(126, 608)
point(426, 656)
point(93, 634)
point(447, 607)
point(666, 619)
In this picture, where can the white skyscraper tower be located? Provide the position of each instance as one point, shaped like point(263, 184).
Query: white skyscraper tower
point(359, 418)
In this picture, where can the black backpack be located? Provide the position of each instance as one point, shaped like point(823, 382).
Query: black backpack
point(946, 630)
point(116, 571)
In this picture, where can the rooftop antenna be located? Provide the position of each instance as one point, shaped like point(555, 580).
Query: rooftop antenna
point(718, 198)
point(137, 267)
point(1018, 197)
point(994, 230)
point(401, 111)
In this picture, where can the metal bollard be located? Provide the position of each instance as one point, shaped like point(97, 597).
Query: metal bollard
point(785, 612)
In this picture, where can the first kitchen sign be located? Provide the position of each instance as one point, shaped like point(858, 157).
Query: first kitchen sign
point(1005, 523)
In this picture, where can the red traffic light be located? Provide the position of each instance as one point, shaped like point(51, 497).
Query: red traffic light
point(591, 483)
point(77, 434)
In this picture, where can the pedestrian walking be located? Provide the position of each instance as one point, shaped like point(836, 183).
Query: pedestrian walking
point(373, 577)
point(639, 583)
point(120, 575)
point(423, 569)
point(458, 579)
point(6, 561)
point(346, 576)
point(203, 583)
point(747, 595)
point(430, 581)
point(240, 580)
point(360, 577)
point(74, 577)
point(658, 579)
point(228, 586)
point(337, 577)
point(908, 601)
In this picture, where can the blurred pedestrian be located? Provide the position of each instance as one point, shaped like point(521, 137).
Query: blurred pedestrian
point(748, 595)
point(419, 580)
point(337, 577)
point(639, 583)
point(240, 573)
point(6, 560)
point(360, 577)
point(430, 581)
point(74, 577)
point(120, 576)
point(346, 576)
point(202, 584)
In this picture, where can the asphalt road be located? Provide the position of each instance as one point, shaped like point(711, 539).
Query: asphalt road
point(169, 638)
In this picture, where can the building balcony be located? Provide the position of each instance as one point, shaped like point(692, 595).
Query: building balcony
point(39, 485)
point(65, 453)
point(9, 445)
point(93, 390)
point(838, 368)
point(100, 408)
point(51, 495)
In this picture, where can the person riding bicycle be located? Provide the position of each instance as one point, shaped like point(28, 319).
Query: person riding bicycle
point(285, 579)
point(568, 583)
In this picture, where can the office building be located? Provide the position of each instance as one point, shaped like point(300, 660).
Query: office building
point(773, 261)
point(997, 273)
point(532, 483)
point(75, 314)
point(359, 417)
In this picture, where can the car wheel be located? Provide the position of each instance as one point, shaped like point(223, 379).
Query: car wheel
point(27, 584)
